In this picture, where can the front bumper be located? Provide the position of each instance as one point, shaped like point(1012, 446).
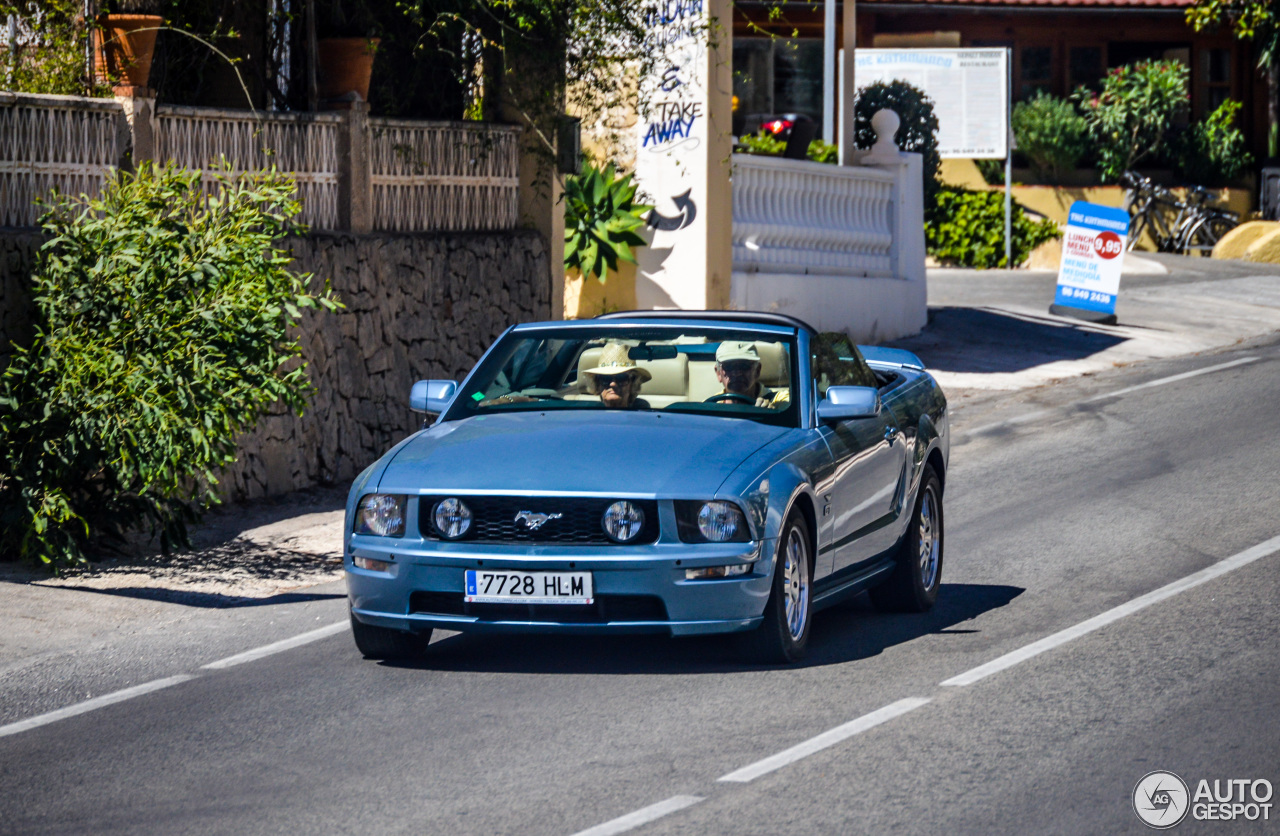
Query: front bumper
point(640, 589)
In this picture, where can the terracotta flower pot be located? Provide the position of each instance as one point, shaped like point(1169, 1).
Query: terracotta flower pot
point(345, 66)
point(123, 45)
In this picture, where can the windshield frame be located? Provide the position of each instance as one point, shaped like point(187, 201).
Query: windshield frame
point(798, 415)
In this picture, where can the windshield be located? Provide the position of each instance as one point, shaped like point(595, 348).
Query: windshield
point(743, 374)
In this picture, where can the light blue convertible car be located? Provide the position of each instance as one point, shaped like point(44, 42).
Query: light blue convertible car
point(672, 472)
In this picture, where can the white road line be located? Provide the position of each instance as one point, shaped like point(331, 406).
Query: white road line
point(1173, 378)
point(1032, 416)
point(1062, 637)
point(277, 647)
point(825, 740)
point(633, 820)
point(90, 705)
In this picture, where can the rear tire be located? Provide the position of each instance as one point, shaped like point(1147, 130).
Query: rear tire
point(913, 586)
point(783, 636)
point(382, 643)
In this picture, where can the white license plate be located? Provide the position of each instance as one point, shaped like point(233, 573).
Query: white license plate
point(485, 587)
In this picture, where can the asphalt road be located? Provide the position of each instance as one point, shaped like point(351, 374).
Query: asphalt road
point(1062, 504)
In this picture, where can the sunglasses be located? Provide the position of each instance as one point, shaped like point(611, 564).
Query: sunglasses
point(738, 366)
point(608, 380)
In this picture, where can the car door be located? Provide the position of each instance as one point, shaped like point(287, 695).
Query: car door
point(860, 493)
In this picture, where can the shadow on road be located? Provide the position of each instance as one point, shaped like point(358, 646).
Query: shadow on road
point(982, 340)
point(208, 600)
point(843, 633)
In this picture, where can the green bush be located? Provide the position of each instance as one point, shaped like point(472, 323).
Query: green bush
point(918, 132)
point(762, 144)
point(1051, 134)
point(601, 221)
point(1129, 118)
point(967, 229)
point(161, 332)
point(1212, 152)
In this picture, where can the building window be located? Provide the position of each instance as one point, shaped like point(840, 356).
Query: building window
point(775, 76)
point(1035, 72)
point(1217, 77)
point(1084, 67)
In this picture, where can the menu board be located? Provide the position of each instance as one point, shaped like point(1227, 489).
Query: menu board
point(969, 89)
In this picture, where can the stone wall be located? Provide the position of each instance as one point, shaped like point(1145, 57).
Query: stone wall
point(417, 306)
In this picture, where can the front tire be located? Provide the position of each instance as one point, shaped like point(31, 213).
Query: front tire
point(382, 643)
point(913, 586)
point(783, 636)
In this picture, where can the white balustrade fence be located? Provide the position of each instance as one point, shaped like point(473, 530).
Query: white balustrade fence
point(353, 173)
point(443, 175)
point(302, 145)
point(841, 247)
point(55, 142)
point(798, 216)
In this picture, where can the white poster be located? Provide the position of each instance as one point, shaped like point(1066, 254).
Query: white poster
point(969, 89)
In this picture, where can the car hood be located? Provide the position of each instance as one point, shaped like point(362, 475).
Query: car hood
point(590, 452)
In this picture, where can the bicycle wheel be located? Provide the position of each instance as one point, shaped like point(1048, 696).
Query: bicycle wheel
point(1207, 232)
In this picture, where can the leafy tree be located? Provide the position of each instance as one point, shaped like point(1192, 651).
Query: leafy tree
point(1212, 152)
point(1129, 117)
point(161, 332)
point(53, 60)
point(1250, 20)
point(1052, 135)
point(601, 221)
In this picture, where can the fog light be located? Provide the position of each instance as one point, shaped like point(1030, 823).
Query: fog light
point(710, 572)
point(371, 565)
point(623, 521)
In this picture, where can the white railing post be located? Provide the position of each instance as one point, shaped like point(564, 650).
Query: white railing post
point(906, 253)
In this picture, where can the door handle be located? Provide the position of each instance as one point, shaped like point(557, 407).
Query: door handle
point(889, 434)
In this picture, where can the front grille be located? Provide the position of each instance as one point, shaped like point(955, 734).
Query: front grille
point(494, 519)
point(616, 608)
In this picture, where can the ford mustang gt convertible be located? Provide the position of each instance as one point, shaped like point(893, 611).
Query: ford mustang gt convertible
point(672, 472)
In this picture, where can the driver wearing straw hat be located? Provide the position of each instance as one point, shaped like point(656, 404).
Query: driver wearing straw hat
point(617, 379)
point(738, 370)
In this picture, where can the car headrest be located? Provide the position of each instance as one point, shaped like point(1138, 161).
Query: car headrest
point(670, 376)
point(773, 364)
point(589, 360)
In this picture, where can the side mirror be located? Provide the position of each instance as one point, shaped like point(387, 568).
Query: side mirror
point(432, 395)
point(845, 402)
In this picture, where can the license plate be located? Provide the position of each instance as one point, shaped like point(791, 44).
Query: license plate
point(505, 587)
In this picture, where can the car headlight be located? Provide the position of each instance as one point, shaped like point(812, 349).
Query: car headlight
point(623, 521)
point(381, 514)
point(452, 518)
point(716, 521)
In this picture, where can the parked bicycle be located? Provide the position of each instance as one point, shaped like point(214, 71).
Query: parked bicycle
point(1176, 226)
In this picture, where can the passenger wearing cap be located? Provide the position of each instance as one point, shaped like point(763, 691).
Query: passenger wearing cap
point(738, 370)
point(617, 379)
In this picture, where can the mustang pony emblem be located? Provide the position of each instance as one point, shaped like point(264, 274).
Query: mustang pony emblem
point(535, 521)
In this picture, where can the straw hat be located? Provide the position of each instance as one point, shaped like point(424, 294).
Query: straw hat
point(615, 358)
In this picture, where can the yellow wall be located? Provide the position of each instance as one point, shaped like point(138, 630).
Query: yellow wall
point(584, 299)
point(1054, 201)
